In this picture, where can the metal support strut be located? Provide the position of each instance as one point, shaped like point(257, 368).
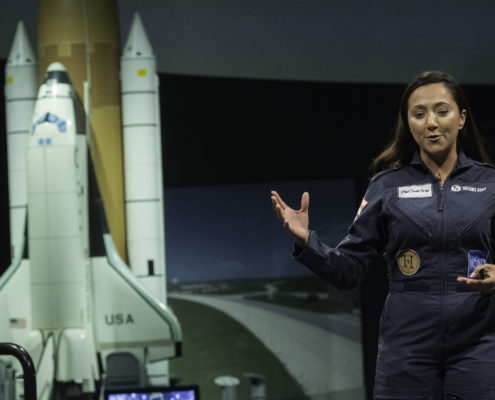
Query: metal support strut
point(29, 372)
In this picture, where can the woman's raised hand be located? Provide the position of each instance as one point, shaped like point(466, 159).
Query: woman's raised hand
point(295, 221)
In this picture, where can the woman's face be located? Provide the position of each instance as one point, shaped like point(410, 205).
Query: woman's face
point(435, 120)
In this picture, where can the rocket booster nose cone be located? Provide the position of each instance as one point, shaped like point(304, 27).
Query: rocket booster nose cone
point(56, 73)
point(137, 44)
point(21, 52)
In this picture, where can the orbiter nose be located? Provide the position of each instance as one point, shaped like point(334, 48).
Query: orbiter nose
point(56, 73)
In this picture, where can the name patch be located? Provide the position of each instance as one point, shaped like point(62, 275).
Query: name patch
point(414, 191)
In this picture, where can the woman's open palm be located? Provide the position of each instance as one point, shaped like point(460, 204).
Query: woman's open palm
point(295, 221)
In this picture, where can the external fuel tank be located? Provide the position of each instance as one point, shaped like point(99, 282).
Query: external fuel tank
point(84, 36)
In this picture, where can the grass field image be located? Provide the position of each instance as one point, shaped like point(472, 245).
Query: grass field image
point(303, 344)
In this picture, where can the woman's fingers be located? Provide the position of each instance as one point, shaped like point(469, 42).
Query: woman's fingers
point(279, 206)
point(278, 199)
point(481, 285)
point(274, 203)
point(295, 222)
point(486, 284)
point(304, 202)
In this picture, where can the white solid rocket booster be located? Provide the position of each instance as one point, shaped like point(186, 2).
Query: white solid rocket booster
point(143, 161)
point(21, 86)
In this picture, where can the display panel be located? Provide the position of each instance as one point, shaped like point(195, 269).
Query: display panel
point(247, 308)
point(155, 393)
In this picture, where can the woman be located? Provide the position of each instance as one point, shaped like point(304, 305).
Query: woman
point(429, 212)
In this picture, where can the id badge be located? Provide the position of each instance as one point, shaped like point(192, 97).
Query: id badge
point(475, 258)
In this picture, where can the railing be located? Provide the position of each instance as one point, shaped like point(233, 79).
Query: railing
point(29, 372)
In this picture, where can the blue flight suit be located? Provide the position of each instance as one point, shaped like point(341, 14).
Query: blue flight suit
point(437, 335)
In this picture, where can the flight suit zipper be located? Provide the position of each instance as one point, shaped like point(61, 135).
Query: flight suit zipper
point(441, 205)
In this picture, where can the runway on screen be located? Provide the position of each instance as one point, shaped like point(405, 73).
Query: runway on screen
point(322, 352)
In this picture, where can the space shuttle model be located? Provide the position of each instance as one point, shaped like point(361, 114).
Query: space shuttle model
point(85, 292)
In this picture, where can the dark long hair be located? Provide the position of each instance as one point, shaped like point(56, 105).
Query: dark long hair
point(402, 146)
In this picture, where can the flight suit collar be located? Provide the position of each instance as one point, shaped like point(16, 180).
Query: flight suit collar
point(463, 161)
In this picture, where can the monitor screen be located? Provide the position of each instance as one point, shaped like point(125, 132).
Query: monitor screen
point(155, 393)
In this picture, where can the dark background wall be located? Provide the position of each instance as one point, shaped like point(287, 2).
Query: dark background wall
point(318, 40)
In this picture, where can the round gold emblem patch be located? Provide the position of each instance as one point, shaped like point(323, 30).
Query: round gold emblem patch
point(408, 261)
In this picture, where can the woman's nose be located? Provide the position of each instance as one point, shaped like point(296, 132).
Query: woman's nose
point(432, 121)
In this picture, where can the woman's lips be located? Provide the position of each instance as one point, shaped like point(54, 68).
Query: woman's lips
point(433, 138)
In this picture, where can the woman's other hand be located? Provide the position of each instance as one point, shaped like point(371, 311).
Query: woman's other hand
point(485, 285)
point(295, 221)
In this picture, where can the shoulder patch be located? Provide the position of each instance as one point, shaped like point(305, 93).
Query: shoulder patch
point(385, 171)
point(364, 203)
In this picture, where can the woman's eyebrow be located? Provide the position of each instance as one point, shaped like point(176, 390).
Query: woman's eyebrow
point(423, 107)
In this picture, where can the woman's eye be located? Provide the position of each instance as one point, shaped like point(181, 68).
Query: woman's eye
point(418, 115)
point(443, 112)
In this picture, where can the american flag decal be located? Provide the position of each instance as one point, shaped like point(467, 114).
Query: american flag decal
point(364, 203)
point(17, 322)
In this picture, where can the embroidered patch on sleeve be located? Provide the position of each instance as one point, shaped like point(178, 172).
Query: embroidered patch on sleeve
point(364, 203)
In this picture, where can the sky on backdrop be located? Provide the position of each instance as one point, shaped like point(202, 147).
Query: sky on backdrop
point(231, 231)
